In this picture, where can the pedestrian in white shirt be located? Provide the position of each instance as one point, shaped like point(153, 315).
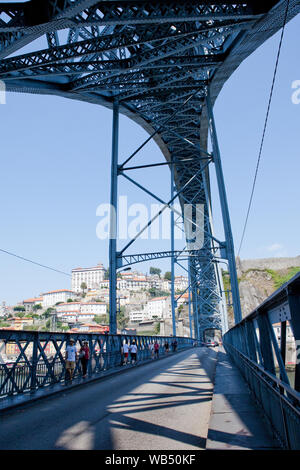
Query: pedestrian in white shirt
point(133, 352)
point(125, 352)
point(151, 349)
point(70, 357)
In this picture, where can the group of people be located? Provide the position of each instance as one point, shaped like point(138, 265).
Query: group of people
point(72, 355)
point(127, 349)
point(155, 347)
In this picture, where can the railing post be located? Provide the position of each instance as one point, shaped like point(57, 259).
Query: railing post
point(251, 341)
point(283, 341)
point(34, 361)
point(266, 344)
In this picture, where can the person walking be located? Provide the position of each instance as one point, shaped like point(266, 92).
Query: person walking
point(166, 347)
point(84, 355)
point(156, 349)
point(133, 352)
point(125, 352)
point(70, 358)
point(151, 349)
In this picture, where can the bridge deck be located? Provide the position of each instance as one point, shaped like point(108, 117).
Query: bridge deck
point(236, 422)
point(162, 405)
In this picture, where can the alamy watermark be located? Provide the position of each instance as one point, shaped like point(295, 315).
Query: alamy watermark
point(132, 221)
point(2, 92)
point(296, 93)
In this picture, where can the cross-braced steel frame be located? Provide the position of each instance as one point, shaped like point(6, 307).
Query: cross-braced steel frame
point(161, 63)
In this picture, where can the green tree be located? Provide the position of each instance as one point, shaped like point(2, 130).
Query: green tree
point(19, 308)
point(180, 308)
point(83, 286)
point(101, 319)
point(48, 312)
point(37, 307)
point(155, 271)
point(168, 276)
point(122, 320)
point(157, 328)
point(157, 293)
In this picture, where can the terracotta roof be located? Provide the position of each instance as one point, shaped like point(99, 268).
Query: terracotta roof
point(57, 291)
point(158, 298)
point(99, 267)
point(68, 303)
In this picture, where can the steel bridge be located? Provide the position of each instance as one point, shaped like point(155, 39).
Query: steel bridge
point(162, 64)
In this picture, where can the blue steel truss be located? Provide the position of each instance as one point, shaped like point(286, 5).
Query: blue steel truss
point(161, 63)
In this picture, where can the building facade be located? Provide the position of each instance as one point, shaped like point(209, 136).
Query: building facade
point(61, 295)
point(159, 307)
point(29, 303)
point(90, 276)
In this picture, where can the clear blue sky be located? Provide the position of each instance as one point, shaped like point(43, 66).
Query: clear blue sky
point(56, 168)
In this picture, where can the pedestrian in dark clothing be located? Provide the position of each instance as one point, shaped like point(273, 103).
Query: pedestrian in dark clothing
point(166, 347)
point(156, 349)
point(84, 355)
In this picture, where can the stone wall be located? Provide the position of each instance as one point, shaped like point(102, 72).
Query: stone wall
point(266, 263)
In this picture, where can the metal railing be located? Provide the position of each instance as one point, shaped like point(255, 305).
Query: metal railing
point(252, 345)
point(40, 360)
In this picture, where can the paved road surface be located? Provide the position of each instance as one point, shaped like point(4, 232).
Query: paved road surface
point(162, 405)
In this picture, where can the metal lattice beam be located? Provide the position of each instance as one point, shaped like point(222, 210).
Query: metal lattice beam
point(157, 60)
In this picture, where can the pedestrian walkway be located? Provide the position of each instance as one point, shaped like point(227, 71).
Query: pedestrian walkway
point(162, 405)
point(236, 422)
point(170, 404)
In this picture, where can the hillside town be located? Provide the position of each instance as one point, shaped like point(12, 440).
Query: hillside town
point(143, 300)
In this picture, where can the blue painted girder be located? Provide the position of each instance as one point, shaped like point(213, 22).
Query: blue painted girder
point(153, 56)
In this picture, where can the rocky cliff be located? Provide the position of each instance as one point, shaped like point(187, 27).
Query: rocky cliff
point(259, 278)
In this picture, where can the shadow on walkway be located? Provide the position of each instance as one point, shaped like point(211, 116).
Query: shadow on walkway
point(236, 421)
point(158, 406)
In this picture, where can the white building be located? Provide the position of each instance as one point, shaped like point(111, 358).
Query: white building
point(137, 283)
point(61, 295)
point(182, 299)
point(67, 307)
point(138, 316)
point(77, 317)
point(82, 308)
point(181, 283)
point(90, 276)
point(132, 284)
point(96, 308)
point(159, 307)
point(165, 285)
point(29, 303)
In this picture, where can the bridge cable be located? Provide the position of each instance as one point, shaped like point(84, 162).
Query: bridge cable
point(34, 262)
point(265, 125)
